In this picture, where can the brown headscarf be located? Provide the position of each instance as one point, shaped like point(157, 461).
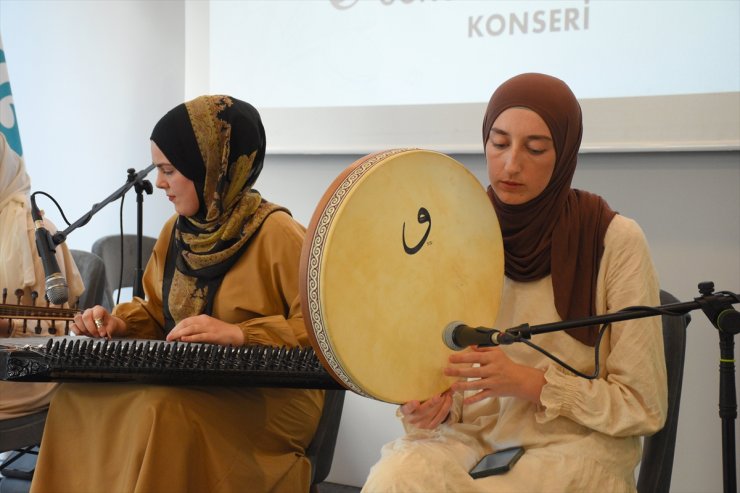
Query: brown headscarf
point(561, 231)
point(219, 143)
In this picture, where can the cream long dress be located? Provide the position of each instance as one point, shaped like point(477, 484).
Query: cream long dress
point(19, 399)
point(21, 268)
point(140, 438)
point(585, 437)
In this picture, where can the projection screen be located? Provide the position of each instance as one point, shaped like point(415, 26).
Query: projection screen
point(354, 76)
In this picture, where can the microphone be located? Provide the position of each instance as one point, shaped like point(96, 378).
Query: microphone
point(458, 336)
point(56, 284)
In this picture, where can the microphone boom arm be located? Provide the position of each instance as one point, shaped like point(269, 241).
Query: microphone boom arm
point(717, 307)
point(133, 180)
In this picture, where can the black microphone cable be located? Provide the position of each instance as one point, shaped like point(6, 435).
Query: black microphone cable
point(35, 209)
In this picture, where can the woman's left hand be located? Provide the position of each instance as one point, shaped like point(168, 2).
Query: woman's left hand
point(204, 328)
point(428, 414)
point(497, 375)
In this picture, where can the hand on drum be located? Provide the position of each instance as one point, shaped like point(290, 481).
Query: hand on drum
point(97, 322)
point(428, 414)
point(204, 328)
point(497, 375)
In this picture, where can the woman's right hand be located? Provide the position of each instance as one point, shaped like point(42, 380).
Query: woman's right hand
point(97, 322)
point(428, 414)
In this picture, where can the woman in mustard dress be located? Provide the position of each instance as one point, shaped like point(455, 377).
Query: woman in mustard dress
point(224, 270)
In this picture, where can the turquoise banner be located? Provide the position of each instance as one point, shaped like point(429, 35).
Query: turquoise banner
point(8, 120)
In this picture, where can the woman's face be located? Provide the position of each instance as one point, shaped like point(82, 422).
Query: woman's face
point(179, 189)
point(520, 155)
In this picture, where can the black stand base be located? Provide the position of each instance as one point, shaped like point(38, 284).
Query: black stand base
point(727, 321)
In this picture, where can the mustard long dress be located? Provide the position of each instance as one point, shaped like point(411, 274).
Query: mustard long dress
point(148, 438)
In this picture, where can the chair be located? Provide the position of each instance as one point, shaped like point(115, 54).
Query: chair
point(92, 270)
point(22, 436)
point(321, 449)
point(116, 262)
point(656, 466)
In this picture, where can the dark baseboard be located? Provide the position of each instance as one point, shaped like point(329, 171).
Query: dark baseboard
point(337, 488)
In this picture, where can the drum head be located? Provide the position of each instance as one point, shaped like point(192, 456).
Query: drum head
point(402, 243)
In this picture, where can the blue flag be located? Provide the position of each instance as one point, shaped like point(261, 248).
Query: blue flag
point(8, 121)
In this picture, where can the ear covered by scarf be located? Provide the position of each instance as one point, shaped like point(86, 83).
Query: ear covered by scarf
point(219, 143)
point(561, 231)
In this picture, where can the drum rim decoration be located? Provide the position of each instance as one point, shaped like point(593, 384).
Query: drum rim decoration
point(311, 256)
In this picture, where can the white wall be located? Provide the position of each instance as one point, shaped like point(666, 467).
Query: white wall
point(90, 79)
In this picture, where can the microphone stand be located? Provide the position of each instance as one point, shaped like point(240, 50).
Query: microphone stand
point(137, 181)
point(718, 308)
point(140, 186)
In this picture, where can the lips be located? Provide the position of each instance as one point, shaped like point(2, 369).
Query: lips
point(510, 185)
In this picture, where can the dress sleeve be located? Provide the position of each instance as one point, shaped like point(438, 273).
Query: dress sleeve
point(259, 293)
point(276, 255)
point(630, 396)
point(143, 317)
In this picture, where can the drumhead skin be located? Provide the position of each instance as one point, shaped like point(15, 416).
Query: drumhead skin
point(402, 243)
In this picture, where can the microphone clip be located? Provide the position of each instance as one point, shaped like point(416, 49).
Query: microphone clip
point(515, 334)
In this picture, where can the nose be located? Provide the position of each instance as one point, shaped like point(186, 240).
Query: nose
point(161, 182)
point(513, 163)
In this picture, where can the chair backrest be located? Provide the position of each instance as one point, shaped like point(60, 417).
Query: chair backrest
point(92, 270)
point(20, 437)
point(25, 431)
point(321, 449)
point(108, 248)
point(656, 466)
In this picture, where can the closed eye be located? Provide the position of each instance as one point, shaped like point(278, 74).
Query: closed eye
point(165, 169)
point(498, 143)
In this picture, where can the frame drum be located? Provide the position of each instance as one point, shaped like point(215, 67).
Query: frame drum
point(402, 243)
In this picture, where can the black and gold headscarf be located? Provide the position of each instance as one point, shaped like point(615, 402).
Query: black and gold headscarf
point(219, 143)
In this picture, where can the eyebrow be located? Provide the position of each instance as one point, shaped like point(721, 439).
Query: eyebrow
point(529, 137)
